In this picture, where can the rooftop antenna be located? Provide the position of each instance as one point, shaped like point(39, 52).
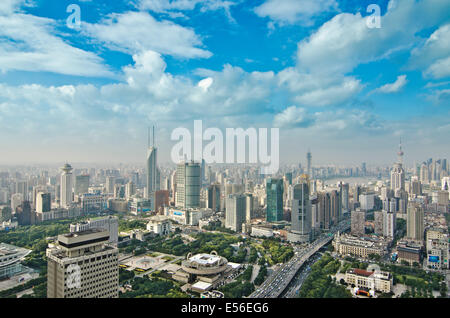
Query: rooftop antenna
point(148, 138)
point(153, 135)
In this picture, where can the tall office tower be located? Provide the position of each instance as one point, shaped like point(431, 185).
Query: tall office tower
point(433, 170)
point(235, 212)
point(378, 222)
point(389, 223)
point(308, 164)
point(36, 190)
point(335, 207)
point(274, 193)
point(158, 179)
point(151, 167)
point(81, 184)
point(363, 169)
point(43, 202)
point(24, 214)
point(66, 186)
point(444, 165)
point(16, 200)
point(248, 207)
point(358, 219)
point(119, 191)
point(445, 184)
point(415, 188)
point(203, 172)
point(22, 188)
point(188, 185)
point(324, 206)
point(130, 190)
point(83, 265)
point(109, 186)
point(356, 193)
point(424, 173)
point(288, 176)
point(301, 213)
point(415, 222)
point(398, 173)
point(214, 197)
point(173, 184)
point(344, 191)
point(107, 223)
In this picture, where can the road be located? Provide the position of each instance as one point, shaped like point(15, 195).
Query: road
point(277, 282)
point(293, 288)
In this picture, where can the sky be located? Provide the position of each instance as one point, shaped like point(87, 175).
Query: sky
point(314, 69)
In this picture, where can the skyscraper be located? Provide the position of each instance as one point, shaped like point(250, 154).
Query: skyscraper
point(398, 173)
point(110, 183)
point(358, 219)
point(308, 164)
point(43, 202)
point(301, 212)
point(214, 197)
point(415, 222)
point(66, 186)
point(188, 185)
point(151, 167)
point(83, 265)
point(235, 212)
point(344, 193)
point(81, 184)
point(274, 192)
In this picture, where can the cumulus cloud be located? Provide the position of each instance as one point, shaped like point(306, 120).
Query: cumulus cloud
point(434, 55)
point(293, 117)
point(345, 41)
point(31, 43)
point(393, 87)
point(135, 32)
point(294, 11)
point(173, 7)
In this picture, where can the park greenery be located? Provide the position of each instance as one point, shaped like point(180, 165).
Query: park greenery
point(319, 283)
point(262, 274)
point(144, 287)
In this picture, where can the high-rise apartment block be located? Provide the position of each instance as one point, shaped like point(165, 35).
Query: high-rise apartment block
point(83, 265)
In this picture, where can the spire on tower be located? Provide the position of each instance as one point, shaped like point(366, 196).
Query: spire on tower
point(400, 152)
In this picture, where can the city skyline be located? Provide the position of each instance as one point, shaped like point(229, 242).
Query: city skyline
point(75, 94)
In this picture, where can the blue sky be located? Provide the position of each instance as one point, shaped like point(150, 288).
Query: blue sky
point(311, 67)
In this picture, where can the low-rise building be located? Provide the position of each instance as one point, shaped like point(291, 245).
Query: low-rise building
point(159, 225)
point(378, 281)
point(409, 251)
point(345, 244)
point(10, 257)
point(437, 245)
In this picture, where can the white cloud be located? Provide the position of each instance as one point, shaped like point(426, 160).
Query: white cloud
point(293, 11)
point(205, 83)
point(312, 90)
point(30, 43)
point(345, 41)
point(135, 32)
point(293, 117)
point(434, 55)
point(393, 87)
point(172, 6)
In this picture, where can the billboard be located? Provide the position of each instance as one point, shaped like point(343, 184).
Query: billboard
point(433, 259)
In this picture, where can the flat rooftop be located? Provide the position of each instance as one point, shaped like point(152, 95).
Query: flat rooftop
point(205, 259)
